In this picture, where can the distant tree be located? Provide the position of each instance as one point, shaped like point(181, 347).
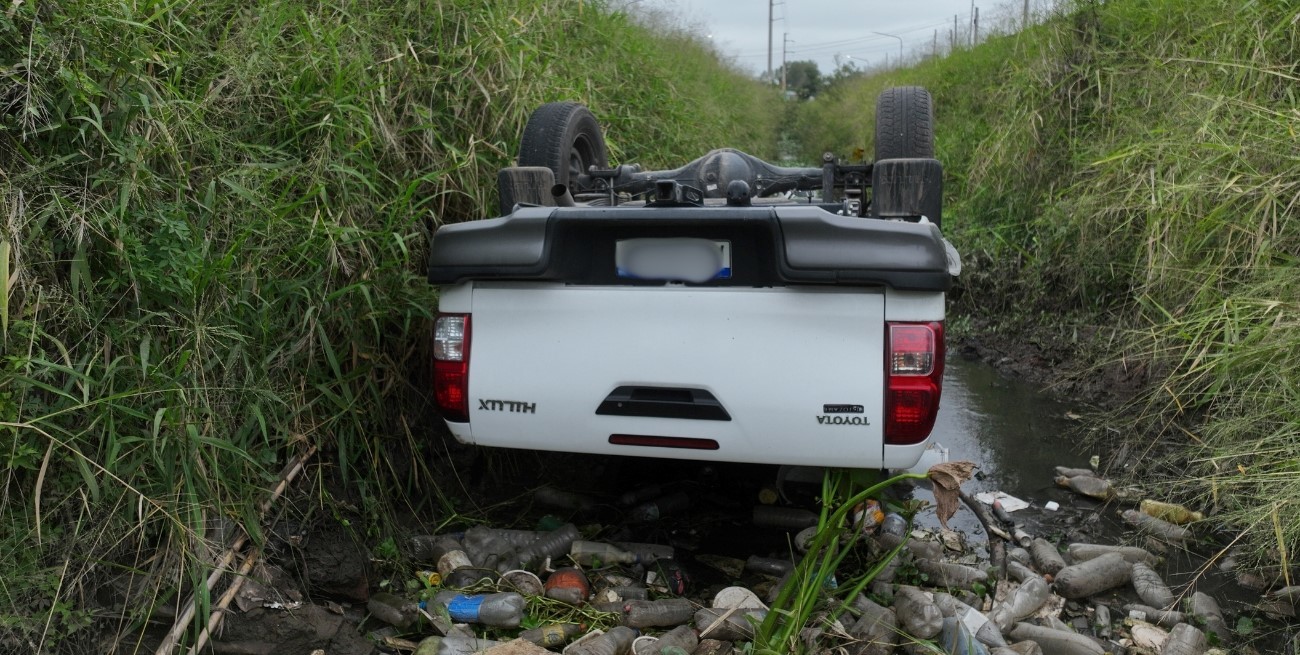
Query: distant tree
point(803, 78)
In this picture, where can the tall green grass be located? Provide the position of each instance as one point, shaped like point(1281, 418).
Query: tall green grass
point(1132, 169)
point(212, 225)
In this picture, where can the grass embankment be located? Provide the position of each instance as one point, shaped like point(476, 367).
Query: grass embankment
point(1134, 166)
point(213, 226)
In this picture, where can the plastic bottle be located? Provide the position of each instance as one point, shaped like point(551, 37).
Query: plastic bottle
point(1205, 608)
point(683, 638)
point(499, 610)
point(552, 497)
point(979, 625)
point(1163, 618)
point(1150, 587)
point(955, 638)
point(728, 624)
point(1065, 471)
point(867, 515)
point(1024, 539)
point(1184, 639)
point(1093, 576)
point(1056, 642)
point(618, 641)
point(567, 585)
point(948, 574)
point(784, 518)
point(668, 576)
point(552, 634)
point(487, 549)
point(454, 645)
point(393, 610)
point(431, 547)
point(647, 552)
point(466, 576)
point(641, 494)
point(1087, 485)
point(1156, 527)
point(894, 524)
point(452, 560)
point(1081, 552)
point(1001, 514)
point(1019, 572)
point(877, 629)
point(768, 565)
point(595, 553)
point(1172, 512)
point(1101, 620)
point(1046, 557)
point(664, 613)
point(1024, 601)
point(659, 507)
point(549, 544)
point(917, 613)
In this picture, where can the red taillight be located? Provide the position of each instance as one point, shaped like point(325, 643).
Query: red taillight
point(451, 366)
point(914, 367)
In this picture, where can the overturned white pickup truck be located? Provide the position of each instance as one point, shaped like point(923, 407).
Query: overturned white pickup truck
point(726, 310)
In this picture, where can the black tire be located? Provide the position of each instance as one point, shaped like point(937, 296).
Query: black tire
point(564, 137)
point(904, 124)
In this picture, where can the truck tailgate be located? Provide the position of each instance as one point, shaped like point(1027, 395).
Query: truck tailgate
point(547, 357)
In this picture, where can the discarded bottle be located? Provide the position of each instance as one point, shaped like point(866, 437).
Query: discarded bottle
point(486, 549)
point(728, 624)
point(618, 641)
point(499, 610)
point(768, 494)
point(1024, 539)
point(955, 638)
point(948, 574)
point(877, 629)
point(1081, 552)
point(1087, 485)
point(1019, 572)
point(466, 576)
point(641, 494)
point(1205, 608)
point(1172, 512)
point(682, 639)
point(1184, 639)
point(552, 497)
point(979, 625)
point(1101, 620)
point(1024, 601)
point(659, 507)
point(917, 612)
point(567, 585)
point(1065, 471)
point(1057, 642)
point(1002, 514)
point(550, 544)
point(768, 565)
point(1046, 557)
point(664, 613)
point(552, 635)
point(894, 524)
point(867, 515)
point(525, 582)
point(1156, 527)
point(784, 518)
point(630, 592)
point(1093, 576)
point(595, 553)
point(393, 610)
point(452, 560)
point(431, 547)
point(1150, 587)
point(1163, 618)
point(454, 645)
point(647, 552)
point(804, 540)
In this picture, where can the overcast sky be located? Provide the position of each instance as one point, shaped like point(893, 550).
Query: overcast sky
point(821, 30)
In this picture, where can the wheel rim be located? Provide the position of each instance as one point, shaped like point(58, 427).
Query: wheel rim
point(581, 156)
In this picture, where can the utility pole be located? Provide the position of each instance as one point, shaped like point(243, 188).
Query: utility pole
point(975, 36)
point(972, 23)
point(954, 32)
point(769, 40)
point(785, 38)
point(1024, 17)
point(934, 45)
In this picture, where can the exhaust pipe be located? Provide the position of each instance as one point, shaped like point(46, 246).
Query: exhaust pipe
point(562, 196)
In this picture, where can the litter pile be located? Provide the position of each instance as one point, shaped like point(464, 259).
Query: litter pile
point(508, 591)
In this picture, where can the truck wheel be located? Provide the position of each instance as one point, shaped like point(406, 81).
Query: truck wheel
point(904, 124)
point(564, 137)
